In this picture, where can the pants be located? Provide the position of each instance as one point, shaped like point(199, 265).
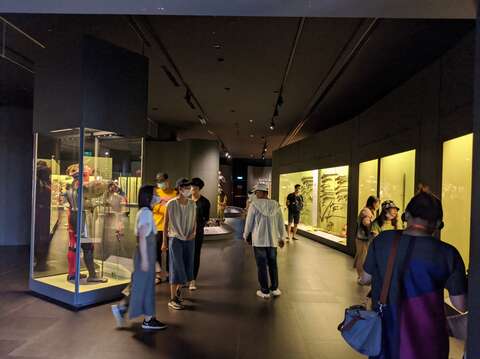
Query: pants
point(198, 250)
point(140, 295)
point(361, 255)
point(72, 245)
point(266, 257)
point(159, 252)
point(181, 260)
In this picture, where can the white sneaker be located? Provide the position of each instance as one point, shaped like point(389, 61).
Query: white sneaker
point(263, 295)
point(276, 293)
point(119, 315)
point(192, 286)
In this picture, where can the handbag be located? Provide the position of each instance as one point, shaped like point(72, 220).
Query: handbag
point(362, 328)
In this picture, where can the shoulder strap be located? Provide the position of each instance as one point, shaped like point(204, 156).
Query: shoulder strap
point(390, 264)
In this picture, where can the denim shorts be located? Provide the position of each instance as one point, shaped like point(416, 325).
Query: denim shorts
point(181, 260)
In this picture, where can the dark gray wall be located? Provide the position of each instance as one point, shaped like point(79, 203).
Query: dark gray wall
point(298, 8)
point(16, 157)
point(190, 158)
point(433, 106)
point(82, 81)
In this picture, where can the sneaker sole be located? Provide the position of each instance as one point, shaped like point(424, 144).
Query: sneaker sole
point(175, 308)
point(118, 317)
point(146, 327)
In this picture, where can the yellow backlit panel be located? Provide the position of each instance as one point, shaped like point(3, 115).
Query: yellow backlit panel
point(368, 181)
point(397, 178)
point(457, 192)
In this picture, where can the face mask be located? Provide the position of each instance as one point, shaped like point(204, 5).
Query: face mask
point(161, 185)
point(155, 200)
point(186, 193)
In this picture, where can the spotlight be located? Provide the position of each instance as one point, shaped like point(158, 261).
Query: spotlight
point(227, 154)
point(272, 126)
point(202, 120)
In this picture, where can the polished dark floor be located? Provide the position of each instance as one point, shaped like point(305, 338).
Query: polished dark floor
point(224, 319)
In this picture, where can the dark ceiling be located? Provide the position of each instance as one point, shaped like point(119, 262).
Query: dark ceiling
point(234, 67)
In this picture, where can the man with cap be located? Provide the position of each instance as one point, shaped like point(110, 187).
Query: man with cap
point(179, 240)
point(265, 223)
point(165, 192)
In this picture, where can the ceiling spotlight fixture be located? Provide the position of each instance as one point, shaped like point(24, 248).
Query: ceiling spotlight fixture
point(252, 135)
point(217, 46)
point(272, 125)
point(227, 154)
point(263, 157)
point(202, 120)
point(251, 121)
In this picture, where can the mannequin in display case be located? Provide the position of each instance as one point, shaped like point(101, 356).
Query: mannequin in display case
point(91, 192)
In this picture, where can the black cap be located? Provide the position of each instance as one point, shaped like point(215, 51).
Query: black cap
point(182, 182)
point(163, 175)
point(198, 182)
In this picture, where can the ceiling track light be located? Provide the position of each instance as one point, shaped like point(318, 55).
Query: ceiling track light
point(272, 125)
point(202, 120)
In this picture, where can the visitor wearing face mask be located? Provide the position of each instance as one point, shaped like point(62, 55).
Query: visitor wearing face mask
point(140, 295)
point(165, 192)
point(387, 220)
point(179, 240)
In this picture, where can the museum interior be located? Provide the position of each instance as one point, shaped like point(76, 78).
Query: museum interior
point(97, 99)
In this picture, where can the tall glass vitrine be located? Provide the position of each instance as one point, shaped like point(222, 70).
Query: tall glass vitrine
point(85, 184)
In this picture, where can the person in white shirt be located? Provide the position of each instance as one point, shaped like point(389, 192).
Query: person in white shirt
point(265, 223)
point(179, 240)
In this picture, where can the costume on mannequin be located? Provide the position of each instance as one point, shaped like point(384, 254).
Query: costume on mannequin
point(90, 190)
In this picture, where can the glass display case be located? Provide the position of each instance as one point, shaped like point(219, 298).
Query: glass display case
point(457, 193)
point(397, 178)
point(325, 194)
point(85, 187)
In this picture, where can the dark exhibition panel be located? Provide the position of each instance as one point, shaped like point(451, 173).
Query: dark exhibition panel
point(346, 101)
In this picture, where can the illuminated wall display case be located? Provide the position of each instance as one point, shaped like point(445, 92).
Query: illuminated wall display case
point(85, 184)
point(457, 193)
point(325, 194)
point(390, 178)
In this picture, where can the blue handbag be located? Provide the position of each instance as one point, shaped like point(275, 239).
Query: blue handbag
point(362, 328)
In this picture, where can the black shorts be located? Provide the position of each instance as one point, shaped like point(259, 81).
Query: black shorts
point(293, 217)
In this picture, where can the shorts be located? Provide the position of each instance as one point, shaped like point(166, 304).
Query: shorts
point(293, 217)
point(181, 255)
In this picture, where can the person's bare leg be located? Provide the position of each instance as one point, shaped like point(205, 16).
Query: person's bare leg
point(173, 291)
point(289, 231)
point(294, 230)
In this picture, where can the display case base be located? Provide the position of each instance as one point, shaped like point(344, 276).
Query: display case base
point(58, 289)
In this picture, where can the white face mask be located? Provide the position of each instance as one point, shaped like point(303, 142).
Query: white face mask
point(161, 185)
point(186, 192)
point(155, 200)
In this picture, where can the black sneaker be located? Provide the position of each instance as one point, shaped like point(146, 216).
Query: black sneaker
point(153, 324)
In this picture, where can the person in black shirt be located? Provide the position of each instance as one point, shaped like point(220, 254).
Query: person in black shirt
point(295, 206)
point(203, 215)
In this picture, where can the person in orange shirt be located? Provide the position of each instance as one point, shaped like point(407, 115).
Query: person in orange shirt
point(165, 192)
